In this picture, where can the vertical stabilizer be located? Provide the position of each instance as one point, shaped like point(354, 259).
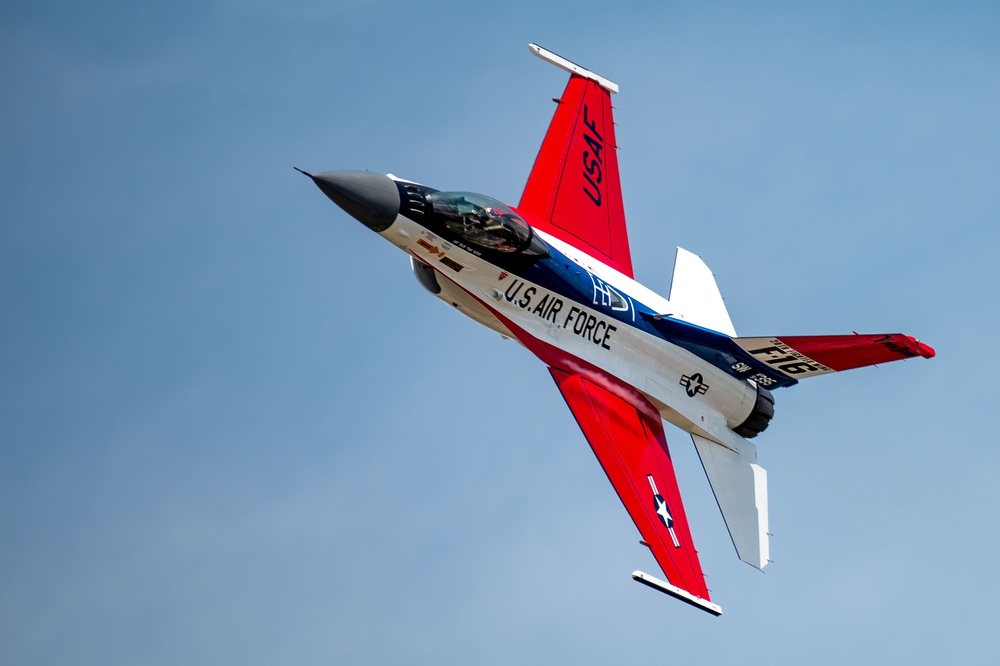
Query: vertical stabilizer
point(694, 296)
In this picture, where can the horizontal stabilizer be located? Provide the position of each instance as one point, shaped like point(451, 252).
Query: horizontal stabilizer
point(676, 592)
point(809, 355)
point(695, 297)
point(740, 487)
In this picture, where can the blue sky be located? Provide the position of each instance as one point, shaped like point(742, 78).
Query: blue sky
point(234, 429)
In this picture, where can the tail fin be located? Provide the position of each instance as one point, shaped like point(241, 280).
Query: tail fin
point(694, 296)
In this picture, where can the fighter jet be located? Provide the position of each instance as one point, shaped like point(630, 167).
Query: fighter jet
point(555, 274)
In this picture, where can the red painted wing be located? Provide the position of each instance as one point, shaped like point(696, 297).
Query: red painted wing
point(627, 437)
point(574, 190)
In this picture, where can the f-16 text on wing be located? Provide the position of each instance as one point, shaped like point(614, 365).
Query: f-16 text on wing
point(555, 273)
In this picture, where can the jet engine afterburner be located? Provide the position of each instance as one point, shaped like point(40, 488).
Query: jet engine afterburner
point(760, 415)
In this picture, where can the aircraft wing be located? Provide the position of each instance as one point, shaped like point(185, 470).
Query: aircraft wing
point(626, 434)
point(574, 190)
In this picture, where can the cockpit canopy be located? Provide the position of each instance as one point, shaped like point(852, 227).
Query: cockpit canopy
point(481, 221)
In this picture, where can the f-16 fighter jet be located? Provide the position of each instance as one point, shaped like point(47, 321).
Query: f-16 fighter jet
point(555, 274)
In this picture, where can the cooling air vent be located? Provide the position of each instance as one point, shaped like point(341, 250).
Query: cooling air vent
point(412, 202)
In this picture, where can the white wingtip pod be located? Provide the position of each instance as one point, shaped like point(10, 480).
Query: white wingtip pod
point(676, 592)
point(572, 67)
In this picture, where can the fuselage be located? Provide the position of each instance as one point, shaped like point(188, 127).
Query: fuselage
point(567, 306)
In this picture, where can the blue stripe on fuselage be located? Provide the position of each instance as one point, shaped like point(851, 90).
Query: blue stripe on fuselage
point(562, 276)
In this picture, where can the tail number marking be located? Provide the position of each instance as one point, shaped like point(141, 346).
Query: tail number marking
point(787, 360)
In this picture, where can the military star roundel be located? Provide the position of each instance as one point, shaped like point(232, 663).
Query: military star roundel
point(663, 511)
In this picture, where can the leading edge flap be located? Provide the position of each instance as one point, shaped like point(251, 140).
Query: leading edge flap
point(629, 443)
point(574, 189)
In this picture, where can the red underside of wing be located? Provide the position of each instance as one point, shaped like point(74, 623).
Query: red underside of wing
point(843, 352)
point(631, 447)
point(574, 190)
point(626, 434)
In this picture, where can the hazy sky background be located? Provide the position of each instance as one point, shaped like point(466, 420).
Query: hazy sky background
point(234, 428)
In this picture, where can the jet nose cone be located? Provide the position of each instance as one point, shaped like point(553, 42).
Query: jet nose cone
point(370, 198)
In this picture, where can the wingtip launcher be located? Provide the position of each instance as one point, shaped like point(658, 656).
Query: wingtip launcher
point(572, 67)
point(676, 592)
